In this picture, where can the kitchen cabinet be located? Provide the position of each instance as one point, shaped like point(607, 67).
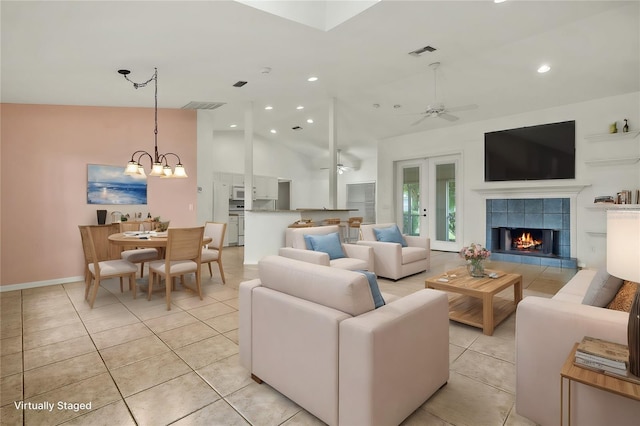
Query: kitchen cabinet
point(266, 188)
point(237, 179)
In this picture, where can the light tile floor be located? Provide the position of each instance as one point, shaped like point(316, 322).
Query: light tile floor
point(137, 363)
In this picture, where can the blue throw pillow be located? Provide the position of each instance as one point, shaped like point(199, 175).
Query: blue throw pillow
point(329, 243)
point(378, 300)
point(390, 235)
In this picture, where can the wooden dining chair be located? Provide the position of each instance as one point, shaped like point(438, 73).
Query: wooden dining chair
point(98, 268)
point(135, 254)
point(104, 249)
point(212, 252)
point(183, 255)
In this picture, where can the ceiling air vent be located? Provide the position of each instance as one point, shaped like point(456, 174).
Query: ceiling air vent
point(203, 105)
point(422, 50)
point(239, 83)
point(296, 128)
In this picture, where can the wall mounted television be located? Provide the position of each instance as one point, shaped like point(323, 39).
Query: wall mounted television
point(546, 151)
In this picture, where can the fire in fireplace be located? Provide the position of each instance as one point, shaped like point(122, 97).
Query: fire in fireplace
point(540, 242)
point(526, 242)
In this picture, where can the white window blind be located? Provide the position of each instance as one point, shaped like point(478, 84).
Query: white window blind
point(362, 196)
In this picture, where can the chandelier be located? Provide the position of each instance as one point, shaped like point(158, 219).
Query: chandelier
point(159, 162)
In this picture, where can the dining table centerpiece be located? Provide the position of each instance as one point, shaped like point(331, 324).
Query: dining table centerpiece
point(475, 255)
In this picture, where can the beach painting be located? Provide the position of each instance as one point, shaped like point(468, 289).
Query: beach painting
point(109, 185)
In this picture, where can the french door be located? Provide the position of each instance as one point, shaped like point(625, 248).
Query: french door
point(429, 197)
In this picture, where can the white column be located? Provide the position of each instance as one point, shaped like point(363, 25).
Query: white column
point(333, 163)
point(248, 156)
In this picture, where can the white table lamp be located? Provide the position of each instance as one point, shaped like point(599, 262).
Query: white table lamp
point(623, 261)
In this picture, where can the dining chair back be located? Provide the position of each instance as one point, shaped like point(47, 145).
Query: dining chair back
point(212, 252)
point(183, 255)
point(105, 250)
point(135, 254)
point(98, 266)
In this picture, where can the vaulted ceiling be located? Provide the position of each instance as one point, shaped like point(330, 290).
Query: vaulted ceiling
point(67, 52)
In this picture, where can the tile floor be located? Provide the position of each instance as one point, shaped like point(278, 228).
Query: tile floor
point(137, 363)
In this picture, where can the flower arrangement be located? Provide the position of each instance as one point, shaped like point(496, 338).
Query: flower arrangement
point(475, 254)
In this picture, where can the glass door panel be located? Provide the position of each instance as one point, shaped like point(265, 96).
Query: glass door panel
point(412, 191)
point(444, 189)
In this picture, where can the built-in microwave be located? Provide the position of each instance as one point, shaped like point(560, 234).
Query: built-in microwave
point(237, 193)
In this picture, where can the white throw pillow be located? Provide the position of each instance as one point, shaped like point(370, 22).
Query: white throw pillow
point(602, 289)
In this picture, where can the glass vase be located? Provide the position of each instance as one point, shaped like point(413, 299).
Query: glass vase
point(475, 267)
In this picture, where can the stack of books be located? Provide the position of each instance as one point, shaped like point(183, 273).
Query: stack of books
point(602, 355)
point(604, 199)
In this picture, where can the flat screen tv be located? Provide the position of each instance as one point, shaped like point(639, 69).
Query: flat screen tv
point(547, 151)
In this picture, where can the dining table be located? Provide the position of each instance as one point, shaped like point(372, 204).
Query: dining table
point(146, 239)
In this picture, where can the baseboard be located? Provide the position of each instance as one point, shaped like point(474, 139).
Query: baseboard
point(35, 284)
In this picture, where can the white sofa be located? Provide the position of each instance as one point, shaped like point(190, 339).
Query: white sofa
point(393, 261)
point(356, 257)
point(546, 330)
point(312, 333)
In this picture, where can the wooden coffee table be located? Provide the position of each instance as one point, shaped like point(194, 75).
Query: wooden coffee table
point(475, 302)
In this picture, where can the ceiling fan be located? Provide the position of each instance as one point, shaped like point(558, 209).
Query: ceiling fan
point(340, 167)
point(438, 109)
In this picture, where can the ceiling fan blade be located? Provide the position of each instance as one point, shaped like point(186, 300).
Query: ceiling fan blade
point(448, 117)
point(420, 121)
point(462, 108)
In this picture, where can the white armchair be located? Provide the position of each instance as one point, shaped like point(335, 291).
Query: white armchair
point(312, 333)
point(356, 257)
point(393, 261)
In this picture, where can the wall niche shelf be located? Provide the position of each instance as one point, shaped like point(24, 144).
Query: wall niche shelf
point(601, 137)
point(609, 206)
point(613, 161)
point(597, 233)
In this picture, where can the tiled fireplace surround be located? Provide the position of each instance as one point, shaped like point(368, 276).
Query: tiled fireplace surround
point(550, 213)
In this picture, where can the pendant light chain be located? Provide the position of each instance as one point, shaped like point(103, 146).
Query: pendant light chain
point(159, 163)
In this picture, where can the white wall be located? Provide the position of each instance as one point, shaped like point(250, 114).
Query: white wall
point(591, 117)
point(223, 151)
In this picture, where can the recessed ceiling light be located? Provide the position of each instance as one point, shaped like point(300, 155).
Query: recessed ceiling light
point(273, 131)
point(268, 107)
point(299, 107)
point(544, 68)
point(396, 106)
point(499, 1)
point(312, 78)
point(309, 120)
point(233, 125)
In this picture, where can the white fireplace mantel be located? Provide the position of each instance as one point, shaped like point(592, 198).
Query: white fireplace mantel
point(533, 189)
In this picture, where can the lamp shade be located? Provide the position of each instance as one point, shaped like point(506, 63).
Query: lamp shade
point(623, 244)
point(623, 261)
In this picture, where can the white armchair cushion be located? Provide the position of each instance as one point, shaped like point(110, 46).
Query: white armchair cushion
point(350, 264)
point(413, 254)
point(346, 291)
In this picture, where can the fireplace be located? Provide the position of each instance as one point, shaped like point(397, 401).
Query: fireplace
point(545, 224)
point(525, 241)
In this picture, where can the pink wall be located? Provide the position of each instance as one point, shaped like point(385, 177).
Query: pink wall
point(45, 151)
